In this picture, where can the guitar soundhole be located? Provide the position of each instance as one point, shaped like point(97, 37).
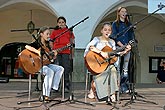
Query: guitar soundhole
point(44, 57)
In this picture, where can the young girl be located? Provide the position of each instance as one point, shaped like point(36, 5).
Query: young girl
point(52, 73)
point(119, 26)
point(64, 58)
point(110, 75)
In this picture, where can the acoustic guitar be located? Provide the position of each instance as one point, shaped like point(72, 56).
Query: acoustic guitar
point(31, 62)
point(96, 64)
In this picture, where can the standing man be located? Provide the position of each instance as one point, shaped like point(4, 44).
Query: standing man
point(64, 58)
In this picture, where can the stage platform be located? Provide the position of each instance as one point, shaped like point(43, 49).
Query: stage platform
point(9, 97)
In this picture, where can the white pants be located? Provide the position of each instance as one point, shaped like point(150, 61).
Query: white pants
point(52, 76)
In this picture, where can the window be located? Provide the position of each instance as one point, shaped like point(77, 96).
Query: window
point(154, 63)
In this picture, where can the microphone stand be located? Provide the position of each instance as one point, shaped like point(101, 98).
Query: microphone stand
point(69, 29)
point(71, 97)
point(132, 85)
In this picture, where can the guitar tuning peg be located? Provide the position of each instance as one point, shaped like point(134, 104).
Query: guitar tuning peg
point(73, 45)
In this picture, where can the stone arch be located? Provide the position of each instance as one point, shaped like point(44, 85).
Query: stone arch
point(44, 4)
point(21, 11)
point(112, 11)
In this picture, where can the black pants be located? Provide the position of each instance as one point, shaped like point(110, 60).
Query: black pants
point(65, 61)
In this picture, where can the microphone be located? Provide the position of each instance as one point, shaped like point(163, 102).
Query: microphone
point(49, 39)
point(55, 28)
point(34, 36)
point(127, 14)
point(110, 36)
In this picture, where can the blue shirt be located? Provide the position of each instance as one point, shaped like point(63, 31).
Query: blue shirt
point(124, 37)
point(161, 75)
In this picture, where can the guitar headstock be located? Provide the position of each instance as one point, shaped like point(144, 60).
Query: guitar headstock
point(70, 45)
point(131, 42)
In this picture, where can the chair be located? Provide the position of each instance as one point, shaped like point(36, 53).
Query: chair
point(61, 86)
point(88, 73)
point(30, 91)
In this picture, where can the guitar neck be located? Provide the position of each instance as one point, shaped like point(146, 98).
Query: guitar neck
point(120, 49)
point(131, 42)
point(63, 48)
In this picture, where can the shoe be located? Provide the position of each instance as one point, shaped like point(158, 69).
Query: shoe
point(66, 90)
point(113, 98)
point(125, 73)
point(55, 91)
point(125, 92)
point(91, 95)
point(46, 99)
point(41, 98)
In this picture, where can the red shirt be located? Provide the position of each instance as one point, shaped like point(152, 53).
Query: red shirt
point(62, 40)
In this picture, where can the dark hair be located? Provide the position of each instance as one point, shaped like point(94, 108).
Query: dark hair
point(61, 17)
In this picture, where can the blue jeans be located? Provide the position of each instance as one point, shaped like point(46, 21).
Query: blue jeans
point(124, 73)
point(124, 83)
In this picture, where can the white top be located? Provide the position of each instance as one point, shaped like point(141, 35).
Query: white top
point(100, 44)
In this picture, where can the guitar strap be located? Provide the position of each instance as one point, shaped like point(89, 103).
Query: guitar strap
point(97, 41)
point(110, 43)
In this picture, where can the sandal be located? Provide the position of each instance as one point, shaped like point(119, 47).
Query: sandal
point(46, 99)
point(91, 94)
point(113, 98)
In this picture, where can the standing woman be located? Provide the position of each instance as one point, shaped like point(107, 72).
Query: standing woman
point(101, 81)
point(64, 58)
point(52, 73)
point(122, 23)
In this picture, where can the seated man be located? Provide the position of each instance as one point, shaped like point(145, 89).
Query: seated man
point(161, 73)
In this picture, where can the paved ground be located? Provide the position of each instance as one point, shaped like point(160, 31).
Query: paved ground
point(9, 97)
